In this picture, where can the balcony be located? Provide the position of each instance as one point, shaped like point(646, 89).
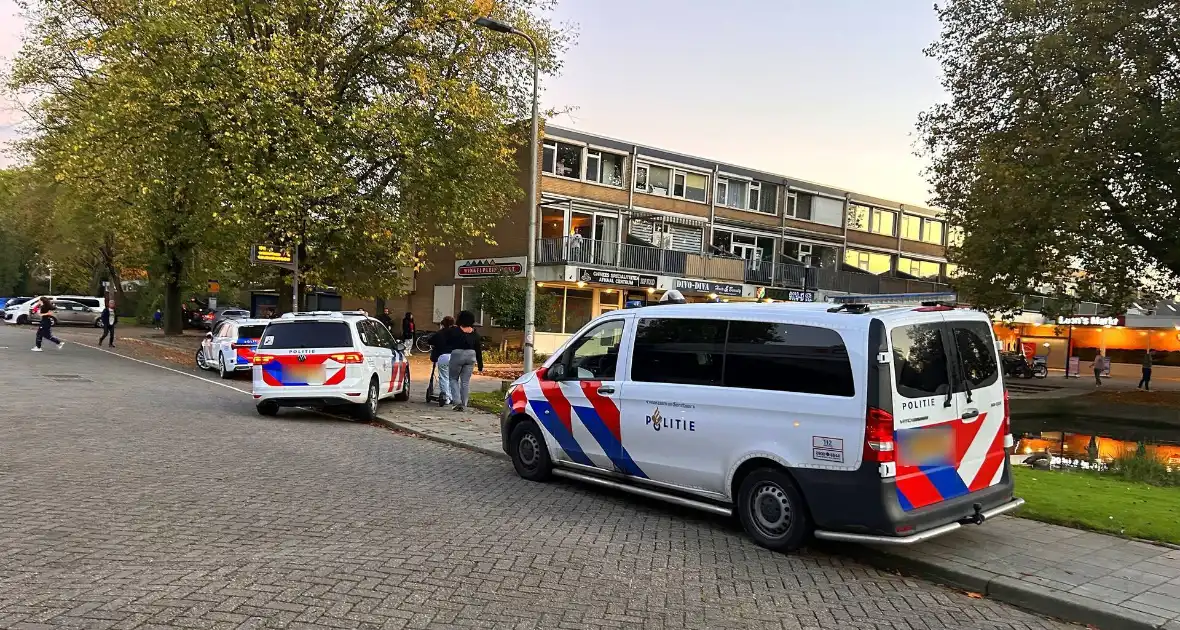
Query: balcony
point(643, 259)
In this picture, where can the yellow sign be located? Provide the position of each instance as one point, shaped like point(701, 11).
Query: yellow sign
point(263, 253)
point(214, 286)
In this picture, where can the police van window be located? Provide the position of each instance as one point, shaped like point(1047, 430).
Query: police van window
point(250, 332)
point(683, 351)
point(787, 358)
point(368, 335)
point(596, 355)
point(384, 337)
point(293, 335)
point(977, 352)
point(920, 361)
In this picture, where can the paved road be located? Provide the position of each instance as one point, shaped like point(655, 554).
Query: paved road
point(134, 497)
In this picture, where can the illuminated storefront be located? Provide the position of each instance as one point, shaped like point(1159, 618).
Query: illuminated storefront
point(1123, 339)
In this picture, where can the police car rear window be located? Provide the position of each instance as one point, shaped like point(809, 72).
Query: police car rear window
point(251, 332)
point(920, 360)
point(293, 335)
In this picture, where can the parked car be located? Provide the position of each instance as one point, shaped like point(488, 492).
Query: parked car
point(222, 313)
point(230, 346)
point(25, 312)
point(69, 312)
point(329, 359)
point(855, 424)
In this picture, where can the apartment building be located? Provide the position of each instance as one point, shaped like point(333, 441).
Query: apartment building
point(620, 222)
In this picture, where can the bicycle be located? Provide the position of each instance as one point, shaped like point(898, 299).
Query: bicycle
point(422, 343)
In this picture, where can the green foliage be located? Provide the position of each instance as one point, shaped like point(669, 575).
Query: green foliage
point(366, 131)
point(503, 299)
point(1143, 467)
point(1058, 151)
point(1102, 503)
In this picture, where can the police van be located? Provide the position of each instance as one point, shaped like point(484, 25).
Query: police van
point(859, 423)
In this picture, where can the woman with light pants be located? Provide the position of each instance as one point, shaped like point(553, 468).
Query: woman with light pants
point(440, 353)
point(466, 355)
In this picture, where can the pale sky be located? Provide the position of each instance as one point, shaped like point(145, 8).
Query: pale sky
point(828, 91)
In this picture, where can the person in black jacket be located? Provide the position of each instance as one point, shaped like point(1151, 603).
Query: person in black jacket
point(466, 354)
point(385, 318)
point(108, 318)
point(440, 354)
point(408, 330)
point(45, 328)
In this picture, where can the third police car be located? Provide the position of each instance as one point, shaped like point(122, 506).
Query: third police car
point(854, 423)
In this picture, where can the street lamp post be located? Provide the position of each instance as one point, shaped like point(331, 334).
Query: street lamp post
point(530, 266)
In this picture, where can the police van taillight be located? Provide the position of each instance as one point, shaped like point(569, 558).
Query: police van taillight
point(878, 435)
point(1006, 427)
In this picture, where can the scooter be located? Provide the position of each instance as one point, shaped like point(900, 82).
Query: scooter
point(1015, 364)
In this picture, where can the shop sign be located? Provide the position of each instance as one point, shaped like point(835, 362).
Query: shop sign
point(790, 295)
point(1089, 320)
point(490, 267)
point(704, 286)
point(617, 278)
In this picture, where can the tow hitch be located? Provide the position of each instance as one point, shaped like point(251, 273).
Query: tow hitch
point(975, 519)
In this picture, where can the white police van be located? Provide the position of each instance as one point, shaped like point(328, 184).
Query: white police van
point(852, 423)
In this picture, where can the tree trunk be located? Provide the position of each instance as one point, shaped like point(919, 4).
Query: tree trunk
point(173, 318)
point(108, 261)
point(284, 288)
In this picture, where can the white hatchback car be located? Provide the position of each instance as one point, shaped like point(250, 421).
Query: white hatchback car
point(329, 359)
point(230, 346)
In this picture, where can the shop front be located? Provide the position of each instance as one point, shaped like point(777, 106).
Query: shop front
point(1085, 337)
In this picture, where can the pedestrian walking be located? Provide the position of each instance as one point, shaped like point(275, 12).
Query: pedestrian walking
point(466, 355)
point(109, 318)
point(440, 354)
point(1099, 365)
point(408, 330)
point(1145, 382)
point(158, 319)
point(45, 328)
point(386, 319)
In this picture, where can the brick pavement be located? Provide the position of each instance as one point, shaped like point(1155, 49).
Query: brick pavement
point(132, 497)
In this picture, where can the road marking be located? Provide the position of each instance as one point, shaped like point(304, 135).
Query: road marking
point(199, 378)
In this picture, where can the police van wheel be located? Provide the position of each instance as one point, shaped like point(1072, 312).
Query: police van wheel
point(529, 455)
point(268, 408)
point(404, 394)
point(772, 511)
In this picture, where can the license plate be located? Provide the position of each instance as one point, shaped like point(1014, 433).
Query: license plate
point(310, 374)
point(930, 446)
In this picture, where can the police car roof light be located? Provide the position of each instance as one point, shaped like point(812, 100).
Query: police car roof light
point(856, 309)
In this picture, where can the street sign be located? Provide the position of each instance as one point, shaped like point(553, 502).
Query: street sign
point(267, 254)
point(214, 286)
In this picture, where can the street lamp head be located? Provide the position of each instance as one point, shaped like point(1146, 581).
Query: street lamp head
point(499, 27)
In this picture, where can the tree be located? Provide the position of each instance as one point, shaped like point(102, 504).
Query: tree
point(503, 299)
point(1058, 151)
point(361, 131)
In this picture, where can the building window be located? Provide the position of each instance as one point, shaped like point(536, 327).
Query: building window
point(952, 270)
point(604, 168)
point(911, 227)
point(755, 195)
point(918, 268)
point(468, 301)
point(671, 182)
point(932, 231)
point(733, 193)
point(873, 220)
point(768, 200)
point(799, 206)
point(883, 222)
point(954, 237)
point(562, 159)
point(745, 246)
point(871, 262)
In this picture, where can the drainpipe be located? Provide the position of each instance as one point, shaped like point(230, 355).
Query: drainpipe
point(708, 240)
point(630, 201)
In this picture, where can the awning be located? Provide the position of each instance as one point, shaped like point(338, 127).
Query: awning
point(667, 218)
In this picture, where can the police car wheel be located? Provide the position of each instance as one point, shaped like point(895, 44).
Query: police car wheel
point(529, 455)
point(772, 511)
point(202, 364)
point(268, 409)
point(221, 371)
point(367, 411)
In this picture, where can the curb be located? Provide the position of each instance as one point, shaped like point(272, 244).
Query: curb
point(1030, 597)
point(390, 424)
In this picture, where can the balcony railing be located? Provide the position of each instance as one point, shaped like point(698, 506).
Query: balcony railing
point(644, 259)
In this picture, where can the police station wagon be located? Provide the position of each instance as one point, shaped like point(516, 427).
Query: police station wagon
point(851, 423)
